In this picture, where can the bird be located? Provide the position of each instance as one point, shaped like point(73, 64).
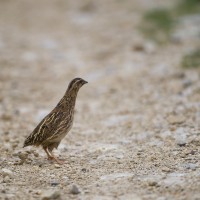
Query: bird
point(55, 126)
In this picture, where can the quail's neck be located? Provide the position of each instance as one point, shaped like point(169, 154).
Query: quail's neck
point(69, 99)
point(70, 96)
point(72, 93)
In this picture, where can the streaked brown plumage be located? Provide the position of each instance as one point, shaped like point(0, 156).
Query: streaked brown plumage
point(55, 126)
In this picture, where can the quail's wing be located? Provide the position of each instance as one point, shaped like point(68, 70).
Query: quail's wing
point(62, 127)
point(45, 128)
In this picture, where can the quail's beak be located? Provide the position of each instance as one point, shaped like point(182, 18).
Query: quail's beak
point(84, 82)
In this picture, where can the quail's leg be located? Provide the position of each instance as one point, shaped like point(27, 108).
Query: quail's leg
point(53, 157)
point(50, 157)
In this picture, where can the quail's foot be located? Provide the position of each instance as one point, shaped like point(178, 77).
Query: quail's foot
point(59, 161)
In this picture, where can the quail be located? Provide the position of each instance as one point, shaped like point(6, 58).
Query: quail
point(55, 126)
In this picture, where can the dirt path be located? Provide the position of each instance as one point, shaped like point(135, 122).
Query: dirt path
point(136, 132)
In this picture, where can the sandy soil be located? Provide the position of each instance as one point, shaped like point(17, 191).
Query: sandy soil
point(136, 133)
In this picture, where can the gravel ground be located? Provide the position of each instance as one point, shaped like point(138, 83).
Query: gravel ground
point(136, 133)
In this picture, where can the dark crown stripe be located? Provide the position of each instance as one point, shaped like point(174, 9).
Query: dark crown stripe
point(73, 82)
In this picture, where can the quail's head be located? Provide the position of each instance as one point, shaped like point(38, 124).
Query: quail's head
point(76, 84)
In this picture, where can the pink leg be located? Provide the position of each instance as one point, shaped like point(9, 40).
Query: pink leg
point(53, 157)
point(50, 157)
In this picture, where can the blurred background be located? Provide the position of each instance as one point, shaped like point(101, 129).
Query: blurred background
point(140, 57)
point(125, 49)
point(45, 44)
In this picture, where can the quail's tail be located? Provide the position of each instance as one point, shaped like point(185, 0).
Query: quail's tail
point(25, 145)
point(27, 142)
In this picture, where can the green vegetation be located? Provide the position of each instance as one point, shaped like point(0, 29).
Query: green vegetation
point(158, 24)
point(191, 60)
point(185, 7)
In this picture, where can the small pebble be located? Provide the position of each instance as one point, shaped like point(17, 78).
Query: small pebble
point(6, 172)
point(83, 170)
point(187, 83)
point(36, 154)
point(6, 117)
point(75, 190)
point(173, 119)
point(14, 145)
point(139, 47)
point(181, 143)
point(193, 152)
point(166, 169)
point(152, 183)
point(17, 161)
point(22, 155)
point(54, 183)
point(190, 166)
point(57, 166)
point(50, 195)
point(181, 137)
point(38, 192)
point(7, 179)
point(7, 147)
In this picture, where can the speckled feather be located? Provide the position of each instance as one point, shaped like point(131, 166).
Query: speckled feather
point(54, 127)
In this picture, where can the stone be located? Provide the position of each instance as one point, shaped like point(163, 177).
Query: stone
point(139, 47)
point(181, 137)
point(75, 190)
point(6, 172)
point(191, 166)
point(6, 117)
point(187, 83)
point(7, 147)
point(150, 47)
point(193, 152)
point(166, 169)
point(50, 195)
point(7, 179)
point(176, 119)
point(36, 154)
point(57, 166)
point(38, 192)
point(181, 143)
point(17, 161)
point(54, 183)
point(152, 183)
point(22, 155)
point(129, 196)
point(83, 170)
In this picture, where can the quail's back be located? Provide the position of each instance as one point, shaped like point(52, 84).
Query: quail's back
point(55, 126)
